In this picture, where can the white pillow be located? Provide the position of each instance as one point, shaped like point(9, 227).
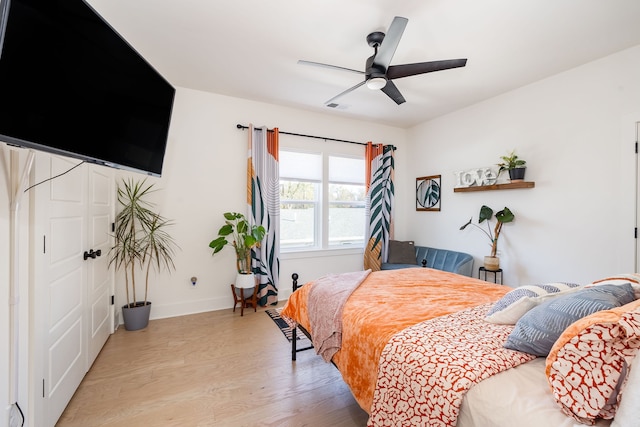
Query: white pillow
point(628, 412)
point(511, 307)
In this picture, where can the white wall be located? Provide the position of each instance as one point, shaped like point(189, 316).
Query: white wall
point(577, 132)
point(12, 164)
point(204, 176)
point(4, 286)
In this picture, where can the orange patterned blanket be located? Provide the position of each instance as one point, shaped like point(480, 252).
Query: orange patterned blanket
point(426, 370)
point(385, 303)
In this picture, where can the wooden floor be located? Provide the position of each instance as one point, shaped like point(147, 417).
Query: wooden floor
point(210, 369)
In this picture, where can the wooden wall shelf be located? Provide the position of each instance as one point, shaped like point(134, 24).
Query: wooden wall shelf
point(510, 185)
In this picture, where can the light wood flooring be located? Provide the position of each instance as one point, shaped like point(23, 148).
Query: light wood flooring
point(210, 369)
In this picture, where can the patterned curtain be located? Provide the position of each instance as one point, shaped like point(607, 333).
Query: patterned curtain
point(379, 222)
point(263, 200)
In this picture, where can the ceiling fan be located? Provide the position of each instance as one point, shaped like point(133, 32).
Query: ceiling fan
point(378, 73)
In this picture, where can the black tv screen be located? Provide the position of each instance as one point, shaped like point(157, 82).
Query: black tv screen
point(70, 85)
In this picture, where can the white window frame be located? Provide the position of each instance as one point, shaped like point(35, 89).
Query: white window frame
point(326, 149)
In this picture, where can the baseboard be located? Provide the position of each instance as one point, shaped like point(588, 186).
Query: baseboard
point(163, 311)
point(192, 307)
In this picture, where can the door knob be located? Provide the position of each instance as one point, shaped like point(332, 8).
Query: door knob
point(92, 254)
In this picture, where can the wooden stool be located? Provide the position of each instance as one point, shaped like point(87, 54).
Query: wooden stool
point(250, 301)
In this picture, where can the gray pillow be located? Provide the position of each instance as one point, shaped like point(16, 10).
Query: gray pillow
point(537, 331)
point(401, 252)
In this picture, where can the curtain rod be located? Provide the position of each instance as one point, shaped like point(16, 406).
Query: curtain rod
point(239, 126)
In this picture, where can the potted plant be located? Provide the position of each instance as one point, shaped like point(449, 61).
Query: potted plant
point(141, 241)
point(514, 165)
point(244, 237)
point(491, 262)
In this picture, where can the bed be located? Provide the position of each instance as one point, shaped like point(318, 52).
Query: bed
point(378, 321)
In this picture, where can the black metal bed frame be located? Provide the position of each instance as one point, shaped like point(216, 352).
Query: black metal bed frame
point(294, 334)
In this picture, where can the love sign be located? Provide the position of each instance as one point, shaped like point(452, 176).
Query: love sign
point(477, 176)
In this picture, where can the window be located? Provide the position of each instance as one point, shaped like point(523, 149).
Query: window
point(300, 209)
point(322, 200)
point(346, 201)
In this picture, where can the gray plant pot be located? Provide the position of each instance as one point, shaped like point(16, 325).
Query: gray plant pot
point(136, 317)
point(517, 174)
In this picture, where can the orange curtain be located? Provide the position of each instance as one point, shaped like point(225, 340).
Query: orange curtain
point(379, 164)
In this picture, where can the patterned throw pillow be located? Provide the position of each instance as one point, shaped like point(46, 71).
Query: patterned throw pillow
point(537, 331)
point(510, 308)
point(588, 365)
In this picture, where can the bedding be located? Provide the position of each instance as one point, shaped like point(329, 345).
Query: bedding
point(518, 397)
point(391, 303)
point(441, 359)
point(325, 302)
point(385, 303)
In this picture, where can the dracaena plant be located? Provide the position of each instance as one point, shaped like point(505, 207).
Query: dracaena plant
point(243, 237)
point(486, 213)
point(141, 238)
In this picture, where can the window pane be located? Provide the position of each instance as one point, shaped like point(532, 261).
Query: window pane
point(346, 193)
point(296, 190)
point(297, 225)
point(346, 169)
point(300, 165)
point(298, 214)
point(346, 224)
point(346, 214)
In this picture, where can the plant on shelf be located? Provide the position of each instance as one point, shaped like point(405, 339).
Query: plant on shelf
point(141, 241)
point(514, 165)
point(492, 262)
point(244, 237)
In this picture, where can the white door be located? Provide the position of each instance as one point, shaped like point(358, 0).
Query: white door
point(70, 294)
point(99, 276)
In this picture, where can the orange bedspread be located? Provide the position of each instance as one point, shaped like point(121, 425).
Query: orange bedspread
point(385, 303)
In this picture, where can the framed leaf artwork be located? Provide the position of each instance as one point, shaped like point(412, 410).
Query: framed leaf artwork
point(428, 192)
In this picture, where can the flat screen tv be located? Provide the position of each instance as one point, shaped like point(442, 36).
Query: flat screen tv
point(71, 85)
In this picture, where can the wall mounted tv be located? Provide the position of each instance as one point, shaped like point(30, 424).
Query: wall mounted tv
point(70, 85)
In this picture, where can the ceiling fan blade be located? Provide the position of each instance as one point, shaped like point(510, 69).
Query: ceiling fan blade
point(391, 40)
point(335, 67)
point(392, 92)
point(406, 70)
point(345, 92)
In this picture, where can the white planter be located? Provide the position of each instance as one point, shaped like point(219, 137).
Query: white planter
point(245, 284)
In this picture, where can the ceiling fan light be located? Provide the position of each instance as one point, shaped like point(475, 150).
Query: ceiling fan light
point(376, 83)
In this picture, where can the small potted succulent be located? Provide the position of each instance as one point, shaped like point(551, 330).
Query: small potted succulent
point(491, 262)
point(514, 165)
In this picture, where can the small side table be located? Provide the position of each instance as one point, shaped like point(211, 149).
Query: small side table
point(245, 301)
point(484, 272)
